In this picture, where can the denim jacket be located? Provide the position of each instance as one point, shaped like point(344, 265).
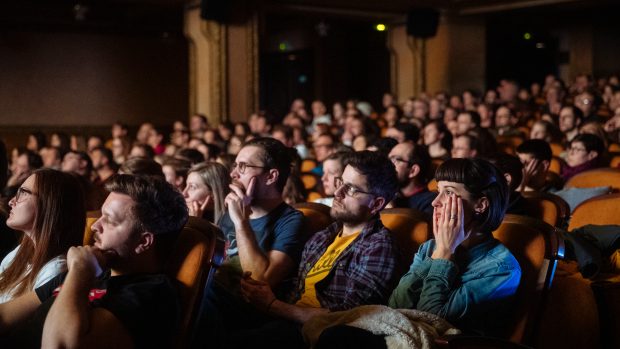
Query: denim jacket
point(474, 292)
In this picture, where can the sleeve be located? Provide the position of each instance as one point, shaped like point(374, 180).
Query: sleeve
point(50, 270)
point(372, 277)
point(407, 293)
point(288, 237)
point(46, 291)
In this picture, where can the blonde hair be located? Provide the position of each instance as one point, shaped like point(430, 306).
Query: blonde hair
point(217, 178)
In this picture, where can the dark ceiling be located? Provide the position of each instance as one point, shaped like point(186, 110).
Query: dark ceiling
point(157, 16)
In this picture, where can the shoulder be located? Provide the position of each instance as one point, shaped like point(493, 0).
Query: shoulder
point(286, 217)
point(502, 258)
point(51, 269)
point(8, 259)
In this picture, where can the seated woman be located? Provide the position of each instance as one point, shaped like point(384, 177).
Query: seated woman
point(205, 191)
point(464, 274)
point(584, 152)
point(438, 140)
point(49, 208)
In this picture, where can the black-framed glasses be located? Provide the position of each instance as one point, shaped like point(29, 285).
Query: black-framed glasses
point(22, 194)
point(348, 189)
point(396, 159)
point(241, 166)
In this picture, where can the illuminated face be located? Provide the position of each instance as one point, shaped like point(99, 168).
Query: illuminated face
point(399, 155)
point(448, 189)
point(567, 121)
point(352, 200)
point(251, 157)
point(331, 170)
point(196, 190)
point(578, 154)
point(431, 134)
point(23, 208)
point(461, 148)
point(539, 131)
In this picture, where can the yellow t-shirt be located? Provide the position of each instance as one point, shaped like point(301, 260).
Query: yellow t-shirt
point(322, 267)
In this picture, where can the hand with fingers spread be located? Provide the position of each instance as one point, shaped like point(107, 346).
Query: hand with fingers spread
point(448, 228)
point(239, 200)
point(258, 293)
point(196, 209)
point(529, 171)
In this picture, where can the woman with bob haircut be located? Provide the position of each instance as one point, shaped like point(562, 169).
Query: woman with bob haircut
point(464, 274)
point(49, 208)
point(205, 191)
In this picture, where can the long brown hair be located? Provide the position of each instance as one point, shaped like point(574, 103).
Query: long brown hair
point(58, 224)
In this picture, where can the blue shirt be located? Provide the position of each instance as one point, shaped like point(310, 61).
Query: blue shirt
point(475, 292)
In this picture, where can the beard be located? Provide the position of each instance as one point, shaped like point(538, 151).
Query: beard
point(340, 213)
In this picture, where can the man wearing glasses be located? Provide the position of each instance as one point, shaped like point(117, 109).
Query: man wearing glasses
point(352, 262)
point(413, 165)
point(263, 234)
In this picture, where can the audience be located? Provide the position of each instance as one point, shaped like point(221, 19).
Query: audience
point(208, 184)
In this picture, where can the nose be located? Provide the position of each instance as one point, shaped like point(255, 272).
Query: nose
point(339, 192)
point(185, 195)
point(234, 174)
point(12, 202)
point(437, 201)
point(96, 227)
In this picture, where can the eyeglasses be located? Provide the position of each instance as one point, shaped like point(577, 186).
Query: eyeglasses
point(396, 159)
point(348, 189)
point(19, 196)
point(241, 166)
point(575, 149)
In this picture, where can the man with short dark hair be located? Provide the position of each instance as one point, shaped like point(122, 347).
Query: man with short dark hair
point(413, 164)
point(103, 163)
point(132, 305)
point(353, 262)
point(569, 121)
point(403, 132)
point(263, 235)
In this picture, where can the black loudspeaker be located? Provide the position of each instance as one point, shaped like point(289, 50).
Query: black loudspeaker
point(215, 10)
point(422, 22)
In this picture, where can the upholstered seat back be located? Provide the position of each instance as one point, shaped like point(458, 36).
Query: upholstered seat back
point(411, 228)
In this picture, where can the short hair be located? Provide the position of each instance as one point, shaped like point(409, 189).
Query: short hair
point(191, 155)
point(34, 160)
point(540, 149)
point(508, 164)
point(418, 155)
point(147, 149)
point(158, 207)
point(411, 131)
point(180, 166)
point(286, 130)
point(83, 156)
point(379, 171)
point(577, 113)
point(591, 142)
point(275, 155)
point(142, 167)
point(109, 155)
point(384, 144)
point(341, 156)
point(481, 179)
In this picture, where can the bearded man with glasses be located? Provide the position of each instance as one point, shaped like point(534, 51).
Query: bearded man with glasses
point(352, 262)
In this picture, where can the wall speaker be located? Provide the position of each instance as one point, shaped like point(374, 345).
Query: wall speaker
point(422, 22)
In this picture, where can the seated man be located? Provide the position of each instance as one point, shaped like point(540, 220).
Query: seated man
point(352, 262)
point(413, 165)
point(132, 305)
point(263, 234)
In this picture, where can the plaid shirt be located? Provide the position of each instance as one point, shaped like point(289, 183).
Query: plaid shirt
point(364, 273)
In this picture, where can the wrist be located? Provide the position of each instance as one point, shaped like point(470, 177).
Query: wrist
point(442, 253)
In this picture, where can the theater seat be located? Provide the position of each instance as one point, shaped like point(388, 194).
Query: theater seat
point(410, 227)
point(596, 178)
point(91, 218)
point(307, 165)
point(310, 181)
point(537, 247)
point(198, 252)
point(600, 210)
point(316, 216)
point(547, 207)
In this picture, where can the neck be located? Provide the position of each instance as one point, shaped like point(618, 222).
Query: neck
point(474, 239)
point(146, 263)
point(350, 229)
point(104, 173)
point(435, 150)
point(410, 189)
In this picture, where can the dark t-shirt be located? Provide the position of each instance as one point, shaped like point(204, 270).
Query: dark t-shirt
point(279, 230)
point(421, 201)
point(146, 304)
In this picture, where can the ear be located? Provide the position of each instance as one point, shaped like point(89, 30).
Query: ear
point(145, 242)
point(592, 154)
point(272, 176)
point(481, 205)
point(376, 204)
point(414, 171)
point(508, 178)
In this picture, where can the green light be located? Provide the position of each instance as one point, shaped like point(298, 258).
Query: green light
point(380, 27)
point(282, 46)
point(527, 36)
